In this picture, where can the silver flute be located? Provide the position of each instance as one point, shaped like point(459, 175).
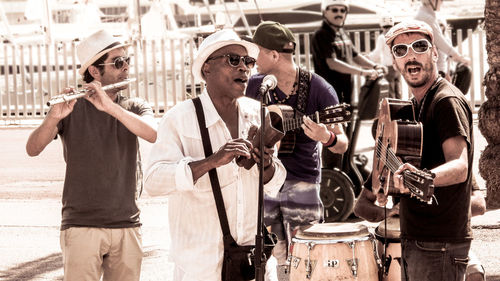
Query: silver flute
point(81, 93)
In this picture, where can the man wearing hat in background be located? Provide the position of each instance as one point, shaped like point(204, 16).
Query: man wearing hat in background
point(298, 202)
point(178, 167)
point(100, 228)
point(337, 60)
point(435, 238)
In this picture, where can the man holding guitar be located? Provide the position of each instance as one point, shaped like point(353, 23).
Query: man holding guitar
point(436, 237)
point(298, 203)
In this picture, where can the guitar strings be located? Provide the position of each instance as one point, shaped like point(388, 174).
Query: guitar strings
point(294, 123)
point(392, 162)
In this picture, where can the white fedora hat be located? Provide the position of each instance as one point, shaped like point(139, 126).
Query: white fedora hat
point(216, 41)
point(95, 46)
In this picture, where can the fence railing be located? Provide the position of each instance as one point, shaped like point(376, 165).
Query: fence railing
point(32, 74)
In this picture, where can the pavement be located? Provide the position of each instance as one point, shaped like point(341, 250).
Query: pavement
point(30, 192)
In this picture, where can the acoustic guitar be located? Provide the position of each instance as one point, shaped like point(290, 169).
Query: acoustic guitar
point(290, 123)
point(282, 125)
point(399, 140)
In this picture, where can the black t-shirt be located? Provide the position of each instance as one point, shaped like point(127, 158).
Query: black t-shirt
point(102, 175)
point(445, 114)
point(327, 43)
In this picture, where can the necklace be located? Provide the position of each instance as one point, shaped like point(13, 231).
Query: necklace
point(421, 106)
point(287, 97)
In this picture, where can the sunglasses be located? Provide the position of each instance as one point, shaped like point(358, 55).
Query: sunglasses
point(419, 47)
point(118, 62)
point(235, 60)
point(336, 10)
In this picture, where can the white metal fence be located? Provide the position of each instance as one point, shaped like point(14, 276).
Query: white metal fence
point(31, 74)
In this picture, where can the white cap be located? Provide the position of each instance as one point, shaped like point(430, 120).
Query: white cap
point(326, 3)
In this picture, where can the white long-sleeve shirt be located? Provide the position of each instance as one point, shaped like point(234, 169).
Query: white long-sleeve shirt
point(196, 235)
point(382, 53)
point(444, 46)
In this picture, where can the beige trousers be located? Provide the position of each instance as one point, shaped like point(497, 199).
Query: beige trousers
point(113, 253)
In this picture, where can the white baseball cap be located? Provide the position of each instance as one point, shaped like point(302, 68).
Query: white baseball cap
point(326, 3)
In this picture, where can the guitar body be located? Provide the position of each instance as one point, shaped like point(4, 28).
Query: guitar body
point(398, 131)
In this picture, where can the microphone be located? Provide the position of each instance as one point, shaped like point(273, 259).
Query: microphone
point(268, 83)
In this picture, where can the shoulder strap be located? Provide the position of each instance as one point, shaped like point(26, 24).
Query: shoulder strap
point(303, 89)
point(214, 179)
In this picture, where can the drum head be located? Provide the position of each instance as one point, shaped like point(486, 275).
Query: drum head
point(393, 230)
point(332, 231)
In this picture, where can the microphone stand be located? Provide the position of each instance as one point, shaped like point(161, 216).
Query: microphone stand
point(260, 258)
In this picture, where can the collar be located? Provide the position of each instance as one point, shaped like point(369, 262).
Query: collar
point(211, 114)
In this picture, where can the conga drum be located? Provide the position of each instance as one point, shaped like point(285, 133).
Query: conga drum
point(390, 235)
point(333, 251)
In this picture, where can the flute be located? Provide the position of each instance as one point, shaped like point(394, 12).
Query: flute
point(81, 93)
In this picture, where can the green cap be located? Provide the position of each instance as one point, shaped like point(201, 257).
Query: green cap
point(274, 36)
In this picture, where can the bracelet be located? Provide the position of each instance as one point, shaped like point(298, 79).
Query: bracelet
point(332, 141)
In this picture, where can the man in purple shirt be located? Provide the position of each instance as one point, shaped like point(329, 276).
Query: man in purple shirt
point(298, 203)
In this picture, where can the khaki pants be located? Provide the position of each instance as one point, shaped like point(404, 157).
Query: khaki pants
point(89, 253)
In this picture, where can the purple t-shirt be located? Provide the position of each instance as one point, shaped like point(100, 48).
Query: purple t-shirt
point(304, 163)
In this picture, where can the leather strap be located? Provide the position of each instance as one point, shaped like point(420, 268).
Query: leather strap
point(303, 90)
point(214, 179)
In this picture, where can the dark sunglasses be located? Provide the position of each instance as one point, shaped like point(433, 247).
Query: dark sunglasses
point(235, 60)
point(419, 47)
point(118, 62)
point(336, 10)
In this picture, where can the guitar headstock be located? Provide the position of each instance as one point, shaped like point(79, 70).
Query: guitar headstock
point(336, 114)
point(420, 183)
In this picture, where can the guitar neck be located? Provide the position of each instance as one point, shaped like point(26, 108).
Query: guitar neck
point(295, 123)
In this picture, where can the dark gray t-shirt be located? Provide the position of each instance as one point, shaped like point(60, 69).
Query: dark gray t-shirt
point(102, 160)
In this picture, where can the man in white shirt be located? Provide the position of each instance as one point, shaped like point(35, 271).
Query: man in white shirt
point(382, 56)
point(178, 168)
point(428, 14)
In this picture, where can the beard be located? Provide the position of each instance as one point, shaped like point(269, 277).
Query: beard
point(425, 69)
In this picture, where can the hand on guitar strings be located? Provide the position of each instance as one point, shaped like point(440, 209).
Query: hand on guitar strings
point(315, 131)
point(398, 177)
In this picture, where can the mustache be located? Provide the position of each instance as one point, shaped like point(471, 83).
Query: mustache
point(339, 17)
point(414, 63)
